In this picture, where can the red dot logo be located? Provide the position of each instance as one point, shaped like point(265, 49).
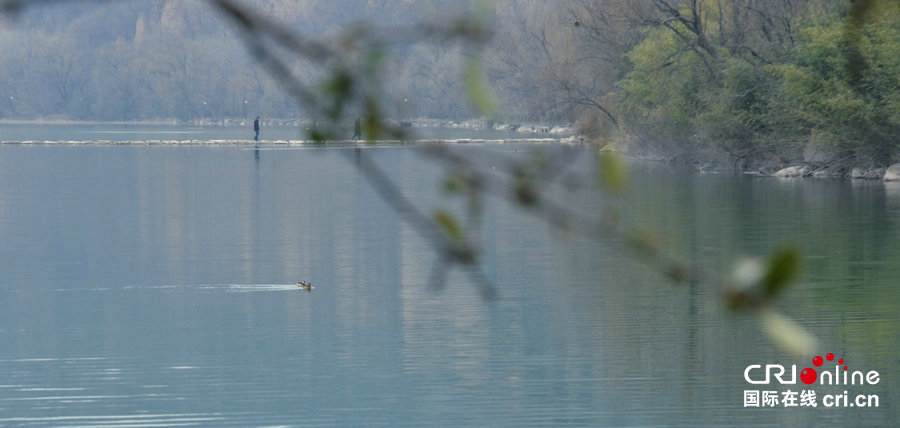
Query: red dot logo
point(808, 375)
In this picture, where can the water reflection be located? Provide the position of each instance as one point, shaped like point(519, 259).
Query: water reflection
point(892, 194)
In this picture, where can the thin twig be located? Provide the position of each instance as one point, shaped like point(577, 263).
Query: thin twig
point(424, 226)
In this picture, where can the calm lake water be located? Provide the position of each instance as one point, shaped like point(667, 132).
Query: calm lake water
point(154, 286)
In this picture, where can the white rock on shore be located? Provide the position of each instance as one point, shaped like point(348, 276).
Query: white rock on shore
point(792, 171)
point(892, 173)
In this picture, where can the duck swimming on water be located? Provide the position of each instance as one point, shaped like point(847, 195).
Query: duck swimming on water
point(305, 286)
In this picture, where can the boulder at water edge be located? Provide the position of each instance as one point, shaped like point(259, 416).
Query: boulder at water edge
point(792, 171)
point(892, 173)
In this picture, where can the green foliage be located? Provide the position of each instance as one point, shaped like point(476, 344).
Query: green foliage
point(661, 95)
point(691, 96)
point(478, 89)
point(338, 89)
point(843, 80)
point(755, 284)
point(457, 247)
point(525, 191)
point(449, 226)
point(838, 79)
point(784, 268)
point(612, 170)
point(738, 113)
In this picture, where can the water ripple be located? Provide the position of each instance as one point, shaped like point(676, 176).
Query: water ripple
point(131, 420)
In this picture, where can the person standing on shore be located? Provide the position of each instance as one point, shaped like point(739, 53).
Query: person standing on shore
point(256, 129)
point(356, 131)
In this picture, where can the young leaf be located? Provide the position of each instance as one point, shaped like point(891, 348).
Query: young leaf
point(448, 224)
point(787, 334)
point(612, 170)
point(784, 267)
point(477, 88)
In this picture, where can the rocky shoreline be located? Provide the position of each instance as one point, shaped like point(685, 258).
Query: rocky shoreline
point(813, 160)
point(824, 161)
point(891, 173)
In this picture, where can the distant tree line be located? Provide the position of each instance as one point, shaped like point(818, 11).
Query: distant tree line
point(753, 78)
point(171, 59)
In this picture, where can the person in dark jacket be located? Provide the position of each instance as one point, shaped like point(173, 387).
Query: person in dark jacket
point(256, 129)
point(356, 131)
